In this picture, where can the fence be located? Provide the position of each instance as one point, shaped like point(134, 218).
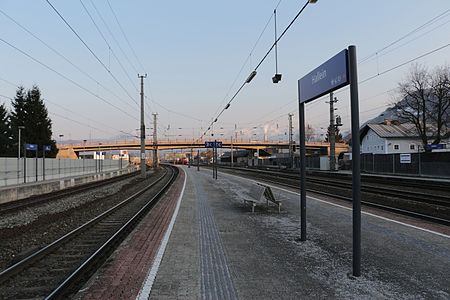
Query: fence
point(419, 164)
point(13, 171)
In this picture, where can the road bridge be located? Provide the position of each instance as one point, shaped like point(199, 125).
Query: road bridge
point(72, 151)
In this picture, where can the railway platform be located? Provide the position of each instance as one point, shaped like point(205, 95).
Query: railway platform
point(207, 244)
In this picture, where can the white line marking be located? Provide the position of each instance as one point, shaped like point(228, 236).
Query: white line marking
point(144, 293)
point(348, 208)
point(369, 214)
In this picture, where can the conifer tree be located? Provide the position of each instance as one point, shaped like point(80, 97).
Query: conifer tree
point(5, 132)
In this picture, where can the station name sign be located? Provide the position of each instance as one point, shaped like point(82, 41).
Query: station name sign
point(329, 76)
point(213, 144)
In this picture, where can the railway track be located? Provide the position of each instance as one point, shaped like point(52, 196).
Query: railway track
point(58, 269)
point(39, 199)
point(420, 202)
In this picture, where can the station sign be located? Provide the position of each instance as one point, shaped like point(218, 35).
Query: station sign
point(47, 148)
point(213, 144)
point(329, 76)
point(405, 158)
point(31, 147)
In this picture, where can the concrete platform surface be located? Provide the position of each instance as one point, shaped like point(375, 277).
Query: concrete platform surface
point(219, 249)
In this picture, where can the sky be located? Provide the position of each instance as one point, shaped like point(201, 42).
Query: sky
point(197, 54)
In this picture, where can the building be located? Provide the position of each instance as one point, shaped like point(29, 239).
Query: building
point(390, 137)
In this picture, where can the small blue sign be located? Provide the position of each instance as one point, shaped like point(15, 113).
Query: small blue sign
point(331, 75)
point(213, 144)
point(47, 148)
point(31, 147)
point(430, 147)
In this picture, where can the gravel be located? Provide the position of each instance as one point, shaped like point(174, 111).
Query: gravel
point(33, 228)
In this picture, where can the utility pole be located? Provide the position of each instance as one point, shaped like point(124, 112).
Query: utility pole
point(143, 167)
point(291, 152)
point(155, 142)
point(332, 134)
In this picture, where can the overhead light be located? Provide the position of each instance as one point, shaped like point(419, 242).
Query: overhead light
point(250, 77)
point(276, 78)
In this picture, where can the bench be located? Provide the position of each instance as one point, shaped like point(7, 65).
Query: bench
point(259, 191)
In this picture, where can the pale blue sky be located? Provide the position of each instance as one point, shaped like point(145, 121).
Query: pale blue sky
point(193, 51)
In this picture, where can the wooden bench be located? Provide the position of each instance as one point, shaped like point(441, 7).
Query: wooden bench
point(259, 191)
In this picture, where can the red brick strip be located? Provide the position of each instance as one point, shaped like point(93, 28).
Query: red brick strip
point(122, 277)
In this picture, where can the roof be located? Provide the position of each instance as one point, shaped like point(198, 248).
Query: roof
point(406, 130)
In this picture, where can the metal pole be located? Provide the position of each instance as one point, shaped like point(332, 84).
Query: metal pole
point(291, 152)
point(302, 173)
point(43, 163)
point(155, 142)
point(232, 158)
point(24, 164)
point(332, 135)
point(143, 167)
point(198, 160)
point(36, 164)
point(356, 161)
point(18, 155)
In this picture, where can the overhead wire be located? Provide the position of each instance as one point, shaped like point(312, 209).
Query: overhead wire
point(125, 36)
point(65, 58)
point(66, 77)
point(253, 74)
point(90, 50)
point(133, 83)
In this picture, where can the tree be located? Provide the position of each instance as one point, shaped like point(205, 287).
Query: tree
point(29, 111)
point(425, 102)
point(415, 91)
point(5, 132)
point(337, 135)
point(440, 89)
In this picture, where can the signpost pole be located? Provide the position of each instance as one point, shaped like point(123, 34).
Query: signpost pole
point(24, 164)
point(302, 173)
point(356, 161)
point(43, 163)
point(198, 160)
point(36, 164)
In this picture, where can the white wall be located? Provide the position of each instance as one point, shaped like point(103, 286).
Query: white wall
point(54, 168)
point(372, 143)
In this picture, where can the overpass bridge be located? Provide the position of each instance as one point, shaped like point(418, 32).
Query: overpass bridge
point(72, 151)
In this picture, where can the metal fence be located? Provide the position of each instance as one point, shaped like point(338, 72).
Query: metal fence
point(14, 171)
point(418, 164)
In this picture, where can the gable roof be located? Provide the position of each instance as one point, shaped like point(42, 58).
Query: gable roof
point(406, 130)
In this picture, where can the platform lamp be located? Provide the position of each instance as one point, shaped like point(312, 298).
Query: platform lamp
point(18, 153)
point(84, 152)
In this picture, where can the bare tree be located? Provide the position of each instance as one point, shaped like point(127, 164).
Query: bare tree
point(440, 89)
point(415, 93)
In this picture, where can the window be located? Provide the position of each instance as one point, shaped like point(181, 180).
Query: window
point(412, 147)
point(396, 147)
point(382, 147)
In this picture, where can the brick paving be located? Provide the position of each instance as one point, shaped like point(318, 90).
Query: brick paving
point(123, 274)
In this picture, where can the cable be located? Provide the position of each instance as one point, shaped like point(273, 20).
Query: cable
point(253, 74)
point(65, 58)
point(405, 63)
point(90, 50)
point(112, 35)
point(111, 49)
point(66, 78)
point(433, 20)
point(125, 36)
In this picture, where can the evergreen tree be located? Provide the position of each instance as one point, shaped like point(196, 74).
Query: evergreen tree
point(29, 110)
point(5, 132)
point(18, 116)
point(337, 135)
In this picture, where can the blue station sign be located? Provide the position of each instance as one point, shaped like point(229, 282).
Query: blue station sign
point(47, 148)
point(329, 76)
point(213, 144)
point(31, 147)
